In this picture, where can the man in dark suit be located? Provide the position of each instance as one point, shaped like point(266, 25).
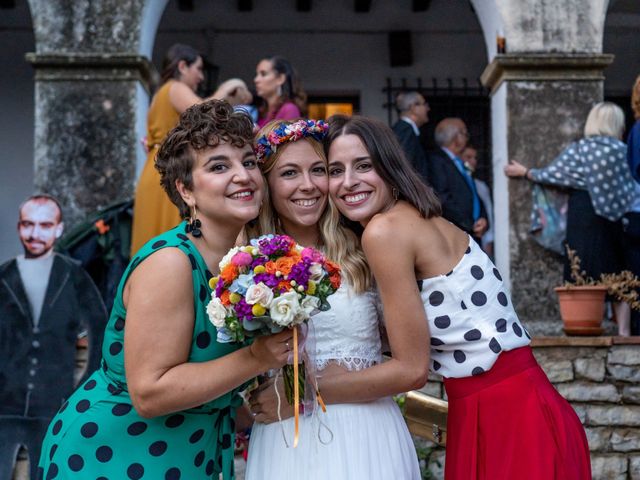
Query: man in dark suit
point(452, 182)
point(413, 111)
point(46, 301)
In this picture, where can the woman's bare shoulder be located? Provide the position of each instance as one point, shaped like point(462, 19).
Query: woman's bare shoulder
point(168, 269)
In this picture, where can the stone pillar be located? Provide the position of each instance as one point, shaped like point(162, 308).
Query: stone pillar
point(88, 72)
point(543, 100)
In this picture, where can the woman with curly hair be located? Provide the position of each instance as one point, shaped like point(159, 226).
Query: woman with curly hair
point(153, 211)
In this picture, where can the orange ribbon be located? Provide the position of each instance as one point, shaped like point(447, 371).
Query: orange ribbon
point(296, 388)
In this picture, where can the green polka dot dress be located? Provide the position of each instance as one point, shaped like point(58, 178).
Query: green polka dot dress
point(97, 434)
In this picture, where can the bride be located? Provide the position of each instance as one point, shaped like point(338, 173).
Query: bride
point(362, 435)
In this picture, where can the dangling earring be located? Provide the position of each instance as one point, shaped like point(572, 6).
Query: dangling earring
point(194, 225)
point(279, 90)
point(395, 193)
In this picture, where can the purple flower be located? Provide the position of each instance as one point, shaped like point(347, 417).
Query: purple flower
point(268, 279)
point(258, 261)
point(277, 245)
point(300, 272)
point(219, 288)
point(243, 310)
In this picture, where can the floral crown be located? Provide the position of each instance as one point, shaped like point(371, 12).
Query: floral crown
point(266, 145)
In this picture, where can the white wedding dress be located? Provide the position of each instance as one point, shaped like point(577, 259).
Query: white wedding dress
point(367, 441)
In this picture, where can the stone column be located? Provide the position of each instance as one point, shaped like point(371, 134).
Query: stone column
point(88, 72)
point(543, 100)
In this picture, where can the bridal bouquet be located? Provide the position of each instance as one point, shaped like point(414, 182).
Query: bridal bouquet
point(267, 286)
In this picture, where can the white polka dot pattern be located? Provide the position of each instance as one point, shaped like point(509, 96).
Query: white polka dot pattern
point(597, 164)
point(471, 319)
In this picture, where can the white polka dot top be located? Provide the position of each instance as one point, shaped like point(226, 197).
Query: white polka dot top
point(471, 319)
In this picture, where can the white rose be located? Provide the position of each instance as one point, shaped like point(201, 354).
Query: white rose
point(260, 294)
point(216, 312)
point(316, 272)
point(284, 309)
point(309, 304)
point(227, 258)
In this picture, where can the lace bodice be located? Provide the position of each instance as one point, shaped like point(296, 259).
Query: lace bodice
point(349, 333)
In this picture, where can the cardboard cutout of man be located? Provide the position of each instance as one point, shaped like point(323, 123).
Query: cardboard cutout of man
point(46, 302)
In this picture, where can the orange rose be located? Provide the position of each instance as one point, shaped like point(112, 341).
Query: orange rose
point(229, 273)
point(284, 264)
point(270, 267)
point(294, 255)
point(224, 298)
point(335, 280)
point(284, 286)
point(332, 267)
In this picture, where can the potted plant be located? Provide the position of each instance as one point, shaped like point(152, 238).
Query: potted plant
point(582, 300)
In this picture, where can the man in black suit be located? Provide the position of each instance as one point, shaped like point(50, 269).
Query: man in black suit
point(46, 301)
point(452, 182)
point(413, 111)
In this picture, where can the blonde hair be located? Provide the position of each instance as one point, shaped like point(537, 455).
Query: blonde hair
point(338, 242)
point(635, 99)
point(606, 119)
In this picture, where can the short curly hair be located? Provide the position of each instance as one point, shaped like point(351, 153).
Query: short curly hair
point(204, 125)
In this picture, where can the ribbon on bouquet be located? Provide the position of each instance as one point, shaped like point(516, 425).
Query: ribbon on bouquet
point(309, 375)
point(296, 388)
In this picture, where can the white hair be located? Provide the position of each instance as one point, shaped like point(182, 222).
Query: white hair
point(406, 100)
point(606, 119)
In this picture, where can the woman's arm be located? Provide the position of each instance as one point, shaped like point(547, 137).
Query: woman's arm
point(182, 97)
point(561, 172)
point(158, 335)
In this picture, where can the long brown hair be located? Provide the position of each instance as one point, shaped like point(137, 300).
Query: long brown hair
point(292, 90)
point(177, 53)
point(388, 159)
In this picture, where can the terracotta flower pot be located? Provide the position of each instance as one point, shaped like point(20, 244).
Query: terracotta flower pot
point(582, 309)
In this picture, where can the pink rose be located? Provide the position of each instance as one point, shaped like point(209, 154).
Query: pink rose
point(241, 259)
point(312, 254)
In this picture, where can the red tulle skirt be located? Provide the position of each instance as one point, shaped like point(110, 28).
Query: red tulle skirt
point(511, 423)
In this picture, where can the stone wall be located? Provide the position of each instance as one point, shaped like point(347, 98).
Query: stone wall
point(600, 376)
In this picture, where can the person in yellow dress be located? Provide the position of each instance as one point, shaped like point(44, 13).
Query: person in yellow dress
point(153, 212)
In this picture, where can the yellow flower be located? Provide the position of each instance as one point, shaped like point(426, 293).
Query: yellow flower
point(258, 310)
point(235, 298)
point(311, 289)
point(213, 282)
point(259, 269)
